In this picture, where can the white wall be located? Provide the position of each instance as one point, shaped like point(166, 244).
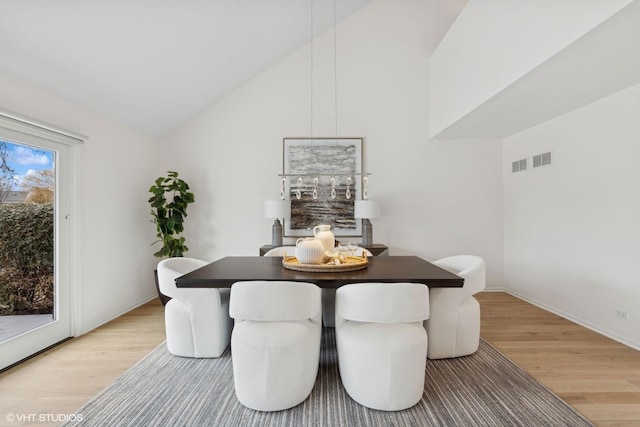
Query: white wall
point(438, 198)
point(116, 267)
point(494, 44)
point(571, 230)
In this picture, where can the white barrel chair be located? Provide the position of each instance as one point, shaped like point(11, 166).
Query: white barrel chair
point(454, 323)
point(275, 344)
point(382, 344)
point(281, 251)
point(197, 320)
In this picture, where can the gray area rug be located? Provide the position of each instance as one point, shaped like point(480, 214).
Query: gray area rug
point(484, 389)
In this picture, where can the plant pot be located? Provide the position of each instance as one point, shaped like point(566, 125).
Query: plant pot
point(163, 298)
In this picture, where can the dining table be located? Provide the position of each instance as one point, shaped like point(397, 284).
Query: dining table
point(390, 269)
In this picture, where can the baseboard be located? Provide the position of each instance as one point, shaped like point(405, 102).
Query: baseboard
point(577, 320)
point(127, 309)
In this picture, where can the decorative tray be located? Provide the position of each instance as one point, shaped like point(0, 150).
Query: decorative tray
point(349, 263)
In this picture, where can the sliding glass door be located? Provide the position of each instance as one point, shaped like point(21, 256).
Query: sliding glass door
point(36, 240)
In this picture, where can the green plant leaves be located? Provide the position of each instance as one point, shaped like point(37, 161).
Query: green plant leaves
point(26, 258)
point(26, 234)
point(169, 216)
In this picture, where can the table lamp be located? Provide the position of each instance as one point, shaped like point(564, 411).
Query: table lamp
point(366, 209)
point(277, 209)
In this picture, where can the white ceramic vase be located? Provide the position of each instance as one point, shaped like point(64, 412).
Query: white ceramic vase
point(309, 250)
point(323, 232)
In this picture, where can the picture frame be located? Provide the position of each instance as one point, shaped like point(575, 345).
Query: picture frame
point(307, 159)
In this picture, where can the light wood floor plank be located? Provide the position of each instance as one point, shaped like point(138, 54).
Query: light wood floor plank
point(597, 376)
point(65, 377)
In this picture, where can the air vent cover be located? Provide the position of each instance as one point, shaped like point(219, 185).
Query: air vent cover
point(543, 159)
point(519, 165)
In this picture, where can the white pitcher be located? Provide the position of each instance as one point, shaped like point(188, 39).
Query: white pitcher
point(323, 232)
point(309, 250)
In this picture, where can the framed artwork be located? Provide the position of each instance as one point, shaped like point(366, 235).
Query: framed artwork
point(322, 185)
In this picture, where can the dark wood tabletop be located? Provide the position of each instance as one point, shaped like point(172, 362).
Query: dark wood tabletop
point(226, 271)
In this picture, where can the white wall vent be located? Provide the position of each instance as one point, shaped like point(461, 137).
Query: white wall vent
point(543, 159)
point(519, 165)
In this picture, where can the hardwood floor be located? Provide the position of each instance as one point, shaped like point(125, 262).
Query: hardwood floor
point(597, 376)
point(65, 377)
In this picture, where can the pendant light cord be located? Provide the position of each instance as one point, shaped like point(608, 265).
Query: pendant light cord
point(311, 74)
point(335, 65)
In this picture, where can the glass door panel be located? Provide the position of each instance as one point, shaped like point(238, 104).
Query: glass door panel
point(34, 295)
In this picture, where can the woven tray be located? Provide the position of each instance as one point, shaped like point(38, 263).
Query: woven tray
point(351, 263)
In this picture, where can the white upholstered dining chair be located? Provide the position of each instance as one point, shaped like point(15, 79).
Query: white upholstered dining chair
point(275, 344)
point(381, 342)
point(281, 251)
point(454, 321)
point(197, 320)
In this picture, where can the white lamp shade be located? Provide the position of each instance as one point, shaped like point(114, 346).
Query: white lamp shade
point(367, 209)
point(277, 209)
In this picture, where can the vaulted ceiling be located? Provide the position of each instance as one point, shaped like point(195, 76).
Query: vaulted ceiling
point(152, 64)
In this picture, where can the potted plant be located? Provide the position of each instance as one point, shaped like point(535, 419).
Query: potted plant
point(169, 202)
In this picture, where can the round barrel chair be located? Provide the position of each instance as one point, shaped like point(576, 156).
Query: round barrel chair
point(454, 320)
point(275, 344)
point(382, 343)
point(197, 320)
